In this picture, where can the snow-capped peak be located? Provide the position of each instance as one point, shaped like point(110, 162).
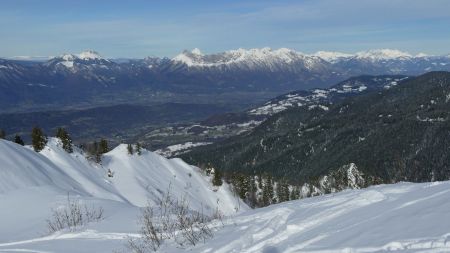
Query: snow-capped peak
point(421, 55)
point(196, 51)
point(70, 60)
point(85, 55)
point(332, 56)
point(89, 55)
point(68, 57)
point(383, 54)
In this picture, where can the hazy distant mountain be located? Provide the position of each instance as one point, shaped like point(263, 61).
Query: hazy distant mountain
point(387, 61)
point(87, 79)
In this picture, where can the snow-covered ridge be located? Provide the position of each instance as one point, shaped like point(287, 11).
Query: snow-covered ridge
point(178, 149)
point(332, 56)
point(285, 55)
point(318, 98)
point(264, 55)
point(137, 179)
point(87, 57)
point(383, 54)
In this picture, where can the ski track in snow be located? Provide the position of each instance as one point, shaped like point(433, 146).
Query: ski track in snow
point(308, 225)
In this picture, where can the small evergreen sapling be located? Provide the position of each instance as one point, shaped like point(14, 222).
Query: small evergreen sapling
point(2, 134)
point(217, 178)
point(18, 140)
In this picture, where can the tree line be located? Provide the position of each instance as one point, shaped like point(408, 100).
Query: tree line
point(95, 149)
point(255, 190)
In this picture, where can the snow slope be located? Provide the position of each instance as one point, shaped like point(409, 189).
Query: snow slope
point(145, 178)
point(31, 184)
point(21, 168)
point(403, 217)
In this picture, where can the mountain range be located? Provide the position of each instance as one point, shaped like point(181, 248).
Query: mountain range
point(87, 79)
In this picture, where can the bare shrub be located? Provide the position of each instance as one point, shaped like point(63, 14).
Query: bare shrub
point(72, 215)
point(171, 219)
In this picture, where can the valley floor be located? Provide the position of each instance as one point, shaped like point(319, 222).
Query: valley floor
point(403, 217)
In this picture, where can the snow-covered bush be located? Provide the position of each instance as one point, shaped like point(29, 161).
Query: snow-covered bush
point(172, 219)
point(72, 215)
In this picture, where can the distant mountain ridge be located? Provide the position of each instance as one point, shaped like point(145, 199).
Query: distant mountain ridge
point(90, 79)
point(267, 55)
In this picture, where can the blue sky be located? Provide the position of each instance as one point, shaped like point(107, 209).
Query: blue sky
point(164, 28)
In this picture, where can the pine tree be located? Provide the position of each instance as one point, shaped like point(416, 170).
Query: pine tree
point(92, 150)
point(103, 146)
point(268, 194)
point(130, 149)
point(217, 178)
point(98, 149)
point(292, 194)
point(282, 191)
point(265, 195)
point(295, 193)
point(260, 184)
point(278, 193)
point(64, 136)
point(251, 197)
point(270, 189)
point(2, 134)
point(38, 139)
point(243, 186)
point(18, 140)
point(138, 148)
point(96, 152)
